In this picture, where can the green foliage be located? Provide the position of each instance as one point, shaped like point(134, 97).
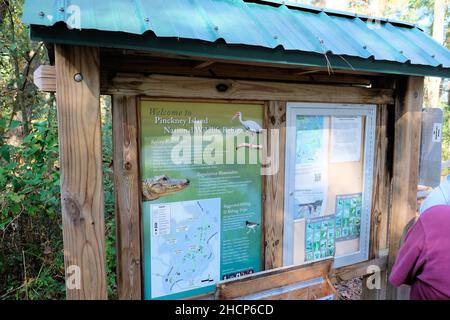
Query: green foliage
point(31, 246)
point(110, 222)
point(30, 222)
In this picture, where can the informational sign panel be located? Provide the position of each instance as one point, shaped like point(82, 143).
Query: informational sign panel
point(328, 203)
point(431, 148)
point(201, 192)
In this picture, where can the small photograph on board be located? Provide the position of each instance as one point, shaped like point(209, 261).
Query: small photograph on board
point(308, 204)
point(348, 216)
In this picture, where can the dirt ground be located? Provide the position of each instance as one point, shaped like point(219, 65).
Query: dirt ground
point(349, 290)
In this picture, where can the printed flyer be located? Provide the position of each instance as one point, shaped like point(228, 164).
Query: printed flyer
point(311, 166)
point(345, 139)
point(201, 192)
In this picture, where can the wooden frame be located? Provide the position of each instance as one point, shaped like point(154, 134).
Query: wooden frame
point(81, 172)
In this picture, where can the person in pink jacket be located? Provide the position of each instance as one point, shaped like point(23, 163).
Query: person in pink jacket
point(423, 261)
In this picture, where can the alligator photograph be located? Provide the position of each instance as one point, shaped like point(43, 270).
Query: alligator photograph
point(160, 186)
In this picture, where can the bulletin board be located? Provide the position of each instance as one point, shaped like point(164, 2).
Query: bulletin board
point(329, 174)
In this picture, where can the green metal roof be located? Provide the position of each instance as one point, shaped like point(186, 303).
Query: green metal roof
point(262, 31)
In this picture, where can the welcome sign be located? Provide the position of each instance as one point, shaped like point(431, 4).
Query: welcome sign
point(201, 191)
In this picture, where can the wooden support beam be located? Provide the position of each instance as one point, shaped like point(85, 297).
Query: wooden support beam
point(273, 197)
point(408, 117)
point(79, 123)
point(126, 189)
point(192, 87)
point(44, 78)
point(381, 197)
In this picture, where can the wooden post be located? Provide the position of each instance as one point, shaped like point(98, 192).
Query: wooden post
point(126, 182)
point(273, 198)
point(381, 201)
point(79, 127)
point(408, 117)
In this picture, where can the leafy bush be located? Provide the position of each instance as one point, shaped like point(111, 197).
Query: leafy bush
point(31, 256)
point(31, 247)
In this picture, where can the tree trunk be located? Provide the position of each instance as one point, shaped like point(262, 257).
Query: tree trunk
point(379, 8)
point(433, 85)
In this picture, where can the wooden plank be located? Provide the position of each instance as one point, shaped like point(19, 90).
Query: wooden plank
point(406, 164)
point(126, 188)
point(314, 292)
point(204, 64)
point(271, 279)
point(192, 87)
point(44, 78)
point(79, 131)
point(273, 197)
point(381, 198)
point(359, 269)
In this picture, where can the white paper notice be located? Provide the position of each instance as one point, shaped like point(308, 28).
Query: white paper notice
point(311, 169)
point(346, 139)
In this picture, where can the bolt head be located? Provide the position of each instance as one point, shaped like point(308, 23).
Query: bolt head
point(78, 77)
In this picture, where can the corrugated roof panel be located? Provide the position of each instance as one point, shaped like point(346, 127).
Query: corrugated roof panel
point(396, 38)
point(284, 25)
point(181, 19)
point(293, 27)
point(365, 35)
point(233, 22)
point(430, 47)
point(332, 37)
